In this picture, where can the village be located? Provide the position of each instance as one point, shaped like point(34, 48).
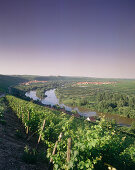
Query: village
point(33, 81)
point(95, 83)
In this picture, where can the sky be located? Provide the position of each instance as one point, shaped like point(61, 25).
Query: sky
point(92, 38)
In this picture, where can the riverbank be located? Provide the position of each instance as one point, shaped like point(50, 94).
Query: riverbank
point(118, 99)
point(52, 101)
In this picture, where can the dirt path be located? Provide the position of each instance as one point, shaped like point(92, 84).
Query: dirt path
point(12, 147)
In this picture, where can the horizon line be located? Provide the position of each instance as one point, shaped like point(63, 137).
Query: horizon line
point(65, 76)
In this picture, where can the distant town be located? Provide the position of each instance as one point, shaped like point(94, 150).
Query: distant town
point(33, 81)
point(96, 83)
point(79, 83)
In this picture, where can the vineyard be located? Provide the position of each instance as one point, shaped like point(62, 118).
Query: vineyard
point(3, 108)
point(72, 143)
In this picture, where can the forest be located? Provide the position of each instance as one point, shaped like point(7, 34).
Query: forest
point(114, 99)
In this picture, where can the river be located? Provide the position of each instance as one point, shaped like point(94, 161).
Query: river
point(52, 100)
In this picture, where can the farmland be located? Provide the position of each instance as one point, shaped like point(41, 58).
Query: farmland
point(118, 98)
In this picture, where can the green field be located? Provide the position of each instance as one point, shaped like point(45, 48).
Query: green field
point(116, 98)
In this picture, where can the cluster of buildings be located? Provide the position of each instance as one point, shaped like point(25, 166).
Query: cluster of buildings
point(33, 81)
point(96, 83)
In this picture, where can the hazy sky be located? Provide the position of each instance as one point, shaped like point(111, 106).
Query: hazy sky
point(93, 38)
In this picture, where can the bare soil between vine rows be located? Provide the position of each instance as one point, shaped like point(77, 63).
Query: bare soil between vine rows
point(12, 147)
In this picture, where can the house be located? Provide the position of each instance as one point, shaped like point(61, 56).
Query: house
point(91, 119)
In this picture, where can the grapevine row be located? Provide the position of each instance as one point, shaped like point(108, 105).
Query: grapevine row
point(93, 146)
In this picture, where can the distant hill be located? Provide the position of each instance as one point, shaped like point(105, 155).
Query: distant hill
point(6, 81)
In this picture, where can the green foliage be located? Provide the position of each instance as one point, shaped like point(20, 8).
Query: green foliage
point(128, 155)
point(92, 145)
point(29, 156)
point(6, 81)
point(3, 109)
point(115, 99)
point(132, 128)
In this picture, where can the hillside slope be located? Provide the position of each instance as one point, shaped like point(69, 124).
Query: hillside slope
point(12, 146)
